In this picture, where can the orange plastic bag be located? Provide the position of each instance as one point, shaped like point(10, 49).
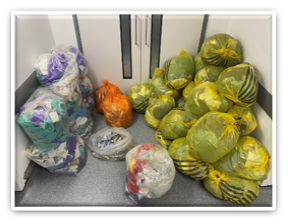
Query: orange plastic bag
point(117, 109)
point(101, 92)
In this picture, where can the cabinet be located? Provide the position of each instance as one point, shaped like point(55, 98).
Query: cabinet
point(111, 42)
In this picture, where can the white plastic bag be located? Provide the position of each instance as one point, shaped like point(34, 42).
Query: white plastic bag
point(150, 172)
point(110, 143)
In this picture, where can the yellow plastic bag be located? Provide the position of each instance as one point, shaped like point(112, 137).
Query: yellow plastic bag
point(157, 109)
point(213, 136)
point(175, 124)
point(231, 188)
point(184, 162)
point(245, 118)
point(239, 84)
point(139, 96)
point(248, 159)
point(179, 71)
point(221, 50)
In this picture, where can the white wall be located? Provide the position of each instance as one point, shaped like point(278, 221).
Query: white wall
point(33, 36)
point(255, 35)
point(63, 31)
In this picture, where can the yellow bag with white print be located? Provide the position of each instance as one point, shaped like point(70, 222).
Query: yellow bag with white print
point(230, 188)
point(248, 159)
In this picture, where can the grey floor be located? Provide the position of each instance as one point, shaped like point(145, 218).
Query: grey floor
point(101, 183)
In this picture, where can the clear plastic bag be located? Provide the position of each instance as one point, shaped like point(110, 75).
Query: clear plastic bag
point(151, 172)
point(44, 119)
point(110, 143)
point(86, 90)
point(58, 71)
point(68, 157)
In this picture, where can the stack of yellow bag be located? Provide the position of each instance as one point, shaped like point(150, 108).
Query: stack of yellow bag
point(200, 110)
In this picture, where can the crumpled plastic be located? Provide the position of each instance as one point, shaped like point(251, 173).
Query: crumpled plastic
point(209, 73)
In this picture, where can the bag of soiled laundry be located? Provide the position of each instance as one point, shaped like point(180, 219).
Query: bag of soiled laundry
point(150, 172)
point(199, 63)
point(45, 120)
point(231, 188)
point(101, 92)
point(213, 136)
point(245, 118)
point(79, 57)
point(175, 124)
point(159, 138)
point(117, 109)
point(184, 162)
point(58, 72)
point(209, 73)
point(248, 159)
point(139, 96)
point(159, 87)
point(204, 98)
point(110, 143)
point(157, 109)
point(68, 157)
point(239, 84)
point(179, 71)
point(82, 123)
point(86, 90)
point(221, 50)
point(187, 90)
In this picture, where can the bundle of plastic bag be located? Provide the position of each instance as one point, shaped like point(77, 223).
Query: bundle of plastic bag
point(139, 96)
point(184, 162)
point(248, 159)
point(45, 120)
point(159, 87)
point(117, 109)
point(101, 92)
point(68, 157)
point(58, 72)
point(86, 90)
point(239, 84)
point(157, 109)
point(230, 188)
point(204, 98)
point(199, 63)
point(179, 71)
point(187, 90)
point(175, 124)
point(213, 136)
point(74, 106)
point(209, 73)
point(110, 143)
point(245, 118)
point(82, 123)
point(150, 172)
point(221, 50)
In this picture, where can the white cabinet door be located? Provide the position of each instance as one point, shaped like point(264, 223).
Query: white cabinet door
point(101, 43)
point(163, 36)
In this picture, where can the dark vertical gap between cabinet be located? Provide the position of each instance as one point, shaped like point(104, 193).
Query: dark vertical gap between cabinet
point(203, 32)
point(77, 33)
